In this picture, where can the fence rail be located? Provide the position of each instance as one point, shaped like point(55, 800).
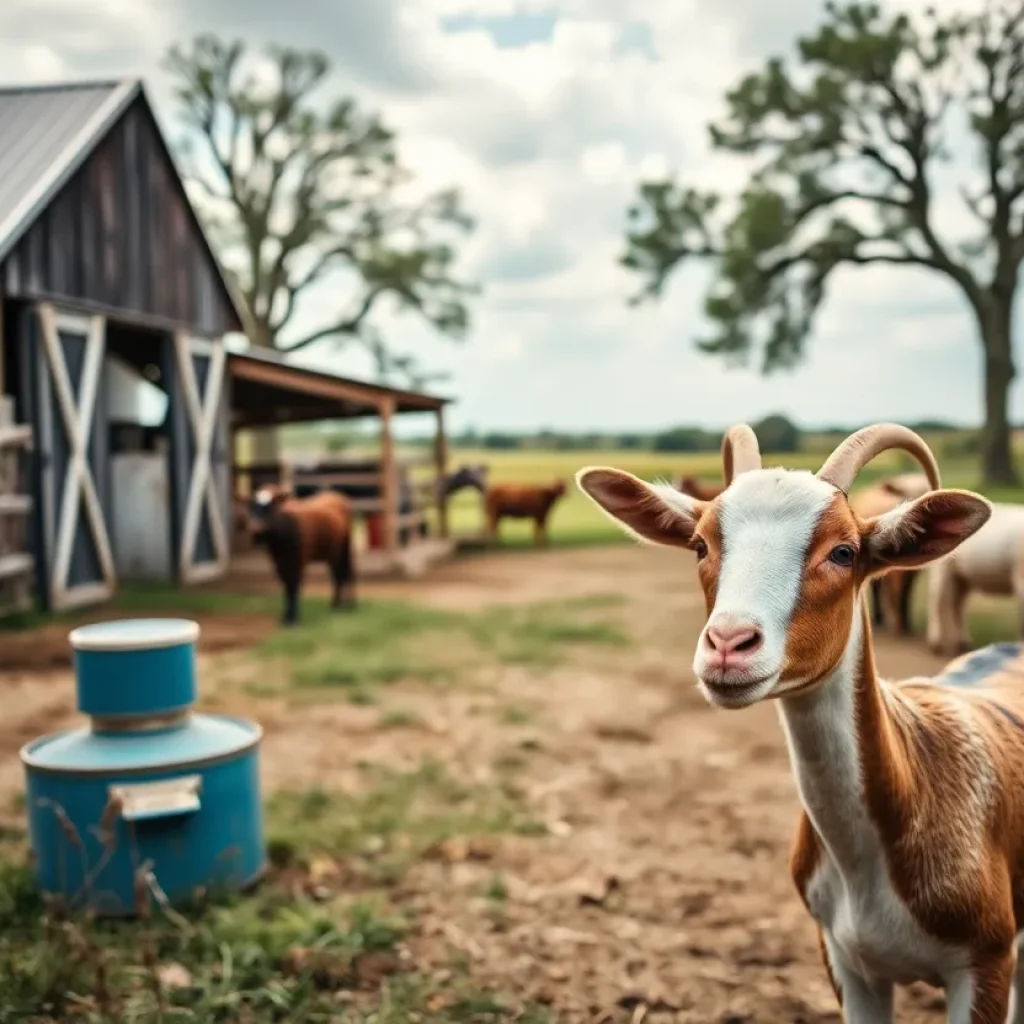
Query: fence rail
point(16, 562)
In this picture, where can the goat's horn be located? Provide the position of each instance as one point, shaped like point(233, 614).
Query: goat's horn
point(843, 465)
point(740, 452)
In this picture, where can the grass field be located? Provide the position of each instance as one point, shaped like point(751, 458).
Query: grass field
point(575, 521)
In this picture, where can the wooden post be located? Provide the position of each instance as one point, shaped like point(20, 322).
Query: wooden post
point(389, 473)
point(441, 462)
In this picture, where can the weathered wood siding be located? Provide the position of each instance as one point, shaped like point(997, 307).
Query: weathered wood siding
point(121, 236)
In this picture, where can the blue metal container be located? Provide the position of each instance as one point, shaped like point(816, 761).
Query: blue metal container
point(156, 801)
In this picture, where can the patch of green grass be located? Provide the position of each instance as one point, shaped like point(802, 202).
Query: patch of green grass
point(515, 715)
point(269, 956)
point(395, 818)
point(263, 958)
point(497, 888)
point(400, 718)
point(384, 642)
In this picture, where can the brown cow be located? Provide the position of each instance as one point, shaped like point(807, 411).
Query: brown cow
point(522, 501)
point(297, 531)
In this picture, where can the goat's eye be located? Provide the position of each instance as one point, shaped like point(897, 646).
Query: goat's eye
point(700, 549)
point(843, 555)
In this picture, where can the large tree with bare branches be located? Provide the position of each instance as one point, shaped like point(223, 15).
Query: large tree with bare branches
point(298, 188)
point(844, 143)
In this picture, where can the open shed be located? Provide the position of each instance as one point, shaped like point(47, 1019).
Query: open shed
point(113, 317)
point(266, 391)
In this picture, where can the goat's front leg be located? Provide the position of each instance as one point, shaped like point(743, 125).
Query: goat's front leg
point(981, 994)
point(863, 1000)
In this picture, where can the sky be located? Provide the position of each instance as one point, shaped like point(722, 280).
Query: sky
point(546, 114)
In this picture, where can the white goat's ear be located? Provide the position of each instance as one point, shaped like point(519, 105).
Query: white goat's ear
point(923, 530)
point(654, 513)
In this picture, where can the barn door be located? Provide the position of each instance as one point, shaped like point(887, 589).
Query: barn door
point(74, 453)
point(200, 453)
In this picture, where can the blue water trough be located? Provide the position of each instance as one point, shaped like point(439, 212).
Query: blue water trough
point(150, 800)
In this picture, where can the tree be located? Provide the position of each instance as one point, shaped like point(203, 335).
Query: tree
point(844, 146)
point(297, 189)
point(777, 434)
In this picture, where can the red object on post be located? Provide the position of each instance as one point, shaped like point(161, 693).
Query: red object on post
point(375, 530)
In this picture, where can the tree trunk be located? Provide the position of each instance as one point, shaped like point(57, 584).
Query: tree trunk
point(997, 467)
point(264, 446)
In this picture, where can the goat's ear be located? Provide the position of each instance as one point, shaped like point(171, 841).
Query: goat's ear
point(654, 513)
point(923, 530)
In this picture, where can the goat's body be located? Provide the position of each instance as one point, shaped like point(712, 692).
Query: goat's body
point(521, 501)
point(317, 528)
point(991, 562)
point(910, 852)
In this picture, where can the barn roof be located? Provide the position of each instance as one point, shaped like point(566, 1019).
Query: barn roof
point(46, 133)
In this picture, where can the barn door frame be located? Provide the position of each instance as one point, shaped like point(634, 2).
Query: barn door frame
point(202, 411)
point(77, 420)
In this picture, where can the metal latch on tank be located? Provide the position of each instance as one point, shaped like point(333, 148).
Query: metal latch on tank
point(161, 799)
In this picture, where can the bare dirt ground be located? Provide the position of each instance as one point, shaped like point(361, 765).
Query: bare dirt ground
point(661, 892)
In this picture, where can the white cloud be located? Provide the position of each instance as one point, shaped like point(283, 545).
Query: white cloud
point(547, 138)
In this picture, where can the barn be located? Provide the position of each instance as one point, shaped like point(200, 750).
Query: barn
point(114, 322)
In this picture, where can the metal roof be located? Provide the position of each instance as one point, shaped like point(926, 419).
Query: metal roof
point(46, 132)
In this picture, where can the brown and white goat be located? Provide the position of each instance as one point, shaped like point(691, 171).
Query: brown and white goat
point(297, 531)
point(697, 489)
point(522, 501)
point(909, 854)
point(891, 593)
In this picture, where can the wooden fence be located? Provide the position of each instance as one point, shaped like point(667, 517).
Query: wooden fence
point(16, 563)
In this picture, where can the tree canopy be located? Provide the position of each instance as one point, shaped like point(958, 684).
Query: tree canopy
point(298, 188)
point(843, 145)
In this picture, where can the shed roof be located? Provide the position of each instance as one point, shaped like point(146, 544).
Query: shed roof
point(266, 391)
point(46, 133)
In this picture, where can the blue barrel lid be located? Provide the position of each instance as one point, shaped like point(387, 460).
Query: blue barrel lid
point(134, 634)
point(202, 738)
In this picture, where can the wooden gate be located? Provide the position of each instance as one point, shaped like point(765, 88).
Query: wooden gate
point(200, 458)
point(73, 457)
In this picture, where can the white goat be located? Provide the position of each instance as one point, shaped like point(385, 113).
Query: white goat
point(991, 562)
point(910, 850)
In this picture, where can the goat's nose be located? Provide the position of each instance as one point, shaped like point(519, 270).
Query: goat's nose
point(734, 639)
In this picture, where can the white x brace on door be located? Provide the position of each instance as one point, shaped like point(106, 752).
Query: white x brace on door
point(73, 347)
point(203, 411)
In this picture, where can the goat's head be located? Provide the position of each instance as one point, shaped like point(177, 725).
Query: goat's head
point(558, 487)
point(781, 556)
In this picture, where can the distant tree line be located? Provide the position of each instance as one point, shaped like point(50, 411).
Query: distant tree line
point(776, 433)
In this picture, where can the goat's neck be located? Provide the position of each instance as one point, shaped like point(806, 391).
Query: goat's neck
point(846, 751)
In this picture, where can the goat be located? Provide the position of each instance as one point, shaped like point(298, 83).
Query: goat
point(891, 593)
point(991, 562)
point(696, 489)
point(297, 531)
point(909, 855)
point(522, 501)
point(464, 476)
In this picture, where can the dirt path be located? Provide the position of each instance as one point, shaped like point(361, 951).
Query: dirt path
point(663, 882)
